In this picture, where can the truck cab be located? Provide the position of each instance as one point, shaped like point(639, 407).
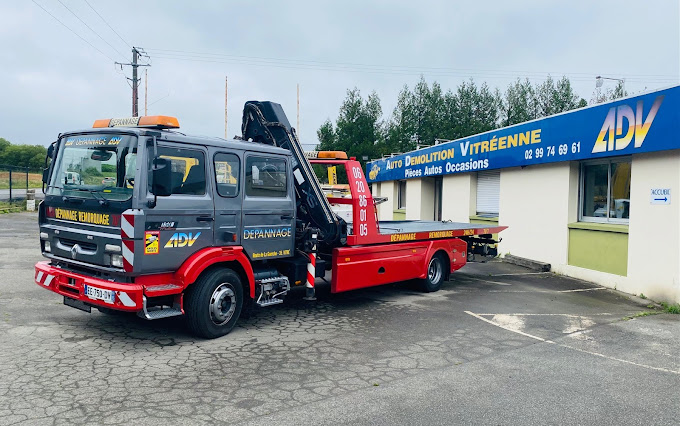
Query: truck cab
point(149, 199)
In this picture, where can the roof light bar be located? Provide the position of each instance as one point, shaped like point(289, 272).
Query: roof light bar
point(155, 121)
point(326, 155)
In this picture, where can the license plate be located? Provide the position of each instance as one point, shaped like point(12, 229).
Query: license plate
point(99, 294)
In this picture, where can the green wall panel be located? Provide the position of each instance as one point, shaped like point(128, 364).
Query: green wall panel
point(604, 251)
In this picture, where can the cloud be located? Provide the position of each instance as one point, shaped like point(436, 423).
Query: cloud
point(52, 81)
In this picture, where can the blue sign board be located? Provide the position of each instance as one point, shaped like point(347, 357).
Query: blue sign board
point(645, 123)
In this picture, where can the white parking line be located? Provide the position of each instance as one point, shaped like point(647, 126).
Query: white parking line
point(508, 328)
point(577, 290)
point(582, 289)
point(485, 281)
point(551, 315)
point(665, 370)
point(521, 273)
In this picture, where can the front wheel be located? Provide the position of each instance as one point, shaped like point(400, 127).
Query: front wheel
point(214, 303)
point(435, 274)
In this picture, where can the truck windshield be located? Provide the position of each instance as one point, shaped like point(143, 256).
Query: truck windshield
point(100, 166)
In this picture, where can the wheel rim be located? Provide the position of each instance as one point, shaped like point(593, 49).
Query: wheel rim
point(222, 304)
point(434, 270)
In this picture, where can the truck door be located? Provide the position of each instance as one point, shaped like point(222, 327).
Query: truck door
point(268, 207)
point(228, 198)
point(181, 224)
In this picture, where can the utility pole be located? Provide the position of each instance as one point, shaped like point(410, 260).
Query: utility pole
point(136, 53)
point(146, 90)
point(297, 129)
point(226, 87)
point(135, 98)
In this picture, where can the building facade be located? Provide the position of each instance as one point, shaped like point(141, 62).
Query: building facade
point(588, 191)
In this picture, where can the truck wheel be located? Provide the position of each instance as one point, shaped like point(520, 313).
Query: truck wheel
point(435, 274)
point(214, 303)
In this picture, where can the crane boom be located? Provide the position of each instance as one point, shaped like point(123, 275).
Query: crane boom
point(265, 122)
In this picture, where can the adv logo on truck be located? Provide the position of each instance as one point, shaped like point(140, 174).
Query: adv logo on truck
point(180, 239)
point(635, 128)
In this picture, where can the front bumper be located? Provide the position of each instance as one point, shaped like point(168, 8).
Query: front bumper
point(128, 297)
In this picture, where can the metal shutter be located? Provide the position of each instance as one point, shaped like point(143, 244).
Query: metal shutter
point(488, 191)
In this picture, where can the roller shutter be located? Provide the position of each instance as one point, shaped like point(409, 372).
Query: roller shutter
point(488, 191)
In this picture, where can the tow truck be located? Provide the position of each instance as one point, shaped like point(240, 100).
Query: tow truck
point(210, 228)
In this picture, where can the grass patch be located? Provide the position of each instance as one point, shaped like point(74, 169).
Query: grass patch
point(671, 308)
point(14, 207)
point(19, 180)
point(642, 296)
point(642, 314)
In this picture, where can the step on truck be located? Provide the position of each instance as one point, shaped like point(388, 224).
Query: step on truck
point(163, 224)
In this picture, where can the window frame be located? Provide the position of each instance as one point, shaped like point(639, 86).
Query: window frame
point(266, 156)
point(238, 174)
point(401, 200)
point(175, 145)
point(594, 219)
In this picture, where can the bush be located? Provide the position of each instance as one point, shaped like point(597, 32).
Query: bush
point(92, 171)
point(108, 168)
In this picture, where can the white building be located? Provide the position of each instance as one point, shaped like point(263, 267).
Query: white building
point(588, 191)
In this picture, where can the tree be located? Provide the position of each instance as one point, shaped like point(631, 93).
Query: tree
point(600, 96)
point(520, 103)
point(425, 114)
point(31, 156)
point(358, 130)
point(418, 118)
point(472, 110)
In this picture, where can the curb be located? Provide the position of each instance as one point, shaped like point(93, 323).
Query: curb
point(527, 263)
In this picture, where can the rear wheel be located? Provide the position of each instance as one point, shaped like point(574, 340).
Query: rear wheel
point(214, 303)
point(435, 274)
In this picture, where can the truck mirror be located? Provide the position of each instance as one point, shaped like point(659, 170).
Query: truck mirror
point(161, 177)
point(46, 174)
point(50, 150)
point(101, 155)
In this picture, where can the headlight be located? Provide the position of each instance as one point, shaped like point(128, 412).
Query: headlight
point(112, 248)
point(117, 260)
point(48, 247)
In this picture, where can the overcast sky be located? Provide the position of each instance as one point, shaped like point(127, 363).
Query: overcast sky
point(53, 81)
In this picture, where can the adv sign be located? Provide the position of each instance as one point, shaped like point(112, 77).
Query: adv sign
point(644, 123)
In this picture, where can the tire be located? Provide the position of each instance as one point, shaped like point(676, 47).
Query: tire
point(435, 274)
point(214, 303)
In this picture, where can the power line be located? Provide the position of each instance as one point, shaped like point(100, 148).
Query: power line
point(107, 24)
point(90, 28)
point(377, 70)
point(324, 65)
point(67, 27)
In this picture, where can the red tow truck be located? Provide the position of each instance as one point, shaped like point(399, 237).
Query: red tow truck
point(207, 227)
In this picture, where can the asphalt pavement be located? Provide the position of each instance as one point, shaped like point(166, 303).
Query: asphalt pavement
point(20, 194)
point(498, 344)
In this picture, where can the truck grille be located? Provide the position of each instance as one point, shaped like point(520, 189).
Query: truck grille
point(85, 246)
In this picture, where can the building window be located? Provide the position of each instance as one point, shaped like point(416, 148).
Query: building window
point(438, 192)
point(401, 194)
point(605, 191)
point(488, 193)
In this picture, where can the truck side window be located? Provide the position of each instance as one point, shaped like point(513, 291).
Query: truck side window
point(227, 169)
point(188, 170)
point(266, 177)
